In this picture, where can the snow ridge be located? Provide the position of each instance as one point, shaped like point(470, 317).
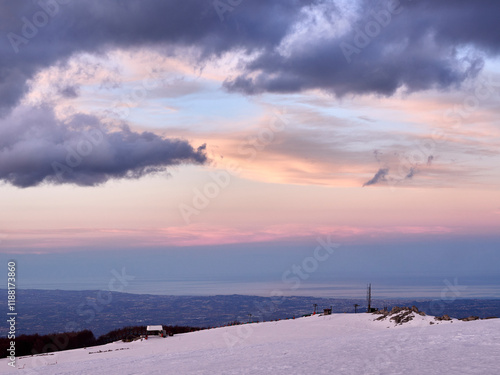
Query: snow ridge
point(403, 341)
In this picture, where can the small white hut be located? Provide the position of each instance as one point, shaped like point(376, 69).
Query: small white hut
point(155, 331)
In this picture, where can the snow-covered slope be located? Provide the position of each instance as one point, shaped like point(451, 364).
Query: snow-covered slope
point(332, 344)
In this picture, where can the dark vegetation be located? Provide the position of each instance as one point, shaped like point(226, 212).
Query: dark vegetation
point(38, 344)
point(131, 333)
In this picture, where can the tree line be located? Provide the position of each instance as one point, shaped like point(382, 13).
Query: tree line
point(39, 344)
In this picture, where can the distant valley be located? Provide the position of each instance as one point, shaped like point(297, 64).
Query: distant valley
point(49, 311)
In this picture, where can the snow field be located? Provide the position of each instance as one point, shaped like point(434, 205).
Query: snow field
point(333, 344)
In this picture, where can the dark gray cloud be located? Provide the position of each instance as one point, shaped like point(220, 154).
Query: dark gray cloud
point(379, 176)
point(417, 47)
point(423, 44)
point(35, 36)
point(36, 147)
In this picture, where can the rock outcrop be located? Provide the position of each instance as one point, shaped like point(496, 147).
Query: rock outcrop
point(470, 318)
point(444, 317)
point(399, 315)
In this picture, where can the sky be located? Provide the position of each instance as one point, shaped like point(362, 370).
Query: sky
point(224, 141)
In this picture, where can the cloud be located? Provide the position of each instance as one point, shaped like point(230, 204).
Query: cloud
point(69, 91)
point(411, 173)
point(36, 147)
point(95, 27)
point(291, 45)
point(379, 176)
point(424, 44)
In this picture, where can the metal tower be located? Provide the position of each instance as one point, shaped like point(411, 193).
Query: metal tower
point(369, 298)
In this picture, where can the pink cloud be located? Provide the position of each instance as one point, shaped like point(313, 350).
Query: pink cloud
point(198, 235)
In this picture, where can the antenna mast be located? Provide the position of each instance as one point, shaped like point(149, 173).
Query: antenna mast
point(369, 298)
